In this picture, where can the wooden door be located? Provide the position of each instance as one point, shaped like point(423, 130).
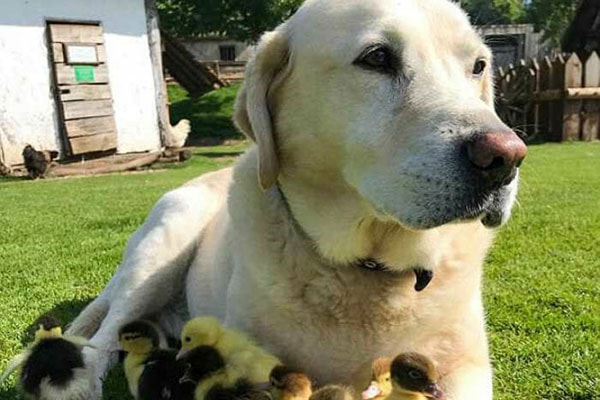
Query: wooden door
point(82, 87)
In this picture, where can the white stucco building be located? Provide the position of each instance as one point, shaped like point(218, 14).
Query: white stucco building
point(218, 48)
point(79, 76)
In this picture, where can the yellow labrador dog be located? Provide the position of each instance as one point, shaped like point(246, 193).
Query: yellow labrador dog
point(357, 226)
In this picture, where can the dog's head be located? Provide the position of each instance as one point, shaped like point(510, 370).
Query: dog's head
point(394, 97)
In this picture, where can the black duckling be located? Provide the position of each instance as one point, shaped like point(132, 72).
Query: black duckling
point(52, 367)
point(152, 373)
point(200, 363)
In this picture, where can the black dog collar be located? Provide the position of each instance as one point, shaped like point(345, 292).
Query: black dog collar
point(424, 276)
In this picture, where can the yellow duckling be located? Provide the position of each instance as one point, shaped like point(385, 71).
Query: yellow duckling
point(381, 382)
point(52, 367)
point(414, 377)
point(244, 359)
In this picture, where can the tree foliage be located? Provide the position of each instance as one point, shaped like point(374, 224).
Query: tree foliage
point(488, 12)
point(551, 16)
point(246, 20)
point(238, 19)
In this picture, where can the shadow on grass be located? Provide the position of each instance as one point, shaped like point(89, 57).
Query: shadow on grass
point(11, 393)
point(6, 179)
point(222, 154)
point(65, 312)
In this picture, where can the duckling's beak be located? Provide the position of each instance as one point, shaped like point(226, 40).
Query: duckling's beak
point(181, 354)
point(433, 391)
point(372, 391)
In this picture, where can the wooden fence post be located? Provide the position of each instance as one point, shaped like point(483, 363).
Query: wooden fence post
point(591, 122)
point(545, 121)
point(572, 107)
point(557, 81)
point(533, 118)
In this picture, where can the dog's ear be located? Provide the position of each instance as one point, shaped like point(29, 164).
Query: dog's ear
point(252, 115)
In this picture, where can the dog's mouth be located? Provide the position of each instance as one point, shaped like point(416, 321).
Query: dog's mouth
point(483, 209)
point(492, 209)
point(493, 218)
point(452, 201)
point(489, 208)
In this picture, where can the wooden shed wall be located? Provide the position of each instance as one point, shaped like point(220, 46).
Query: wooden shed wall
point(28, 113)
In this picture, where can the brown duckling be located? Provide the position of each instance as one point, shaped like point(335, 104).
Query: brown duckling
point(333, 392)
point(414, 377)
point(289, 384)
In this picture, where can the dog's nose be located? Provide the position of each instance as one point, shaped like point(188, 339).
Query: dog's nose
point(496, 155)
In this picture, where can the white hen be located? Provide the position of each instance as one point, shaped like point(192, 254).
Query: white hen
point(179, 134)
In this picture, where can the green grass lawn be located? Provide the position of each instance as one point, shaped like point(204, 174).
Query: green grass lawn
point(61, 240)
point(209, 114)
point(542, 286)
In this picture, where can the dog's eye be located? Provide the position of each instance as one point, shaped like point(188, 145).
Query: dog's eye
point(376, 58)
point(479, 67)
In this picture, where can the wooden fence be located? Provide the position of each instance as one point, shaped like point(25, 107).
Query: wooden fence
point(228, 71)
point(195, 77)
point(554, 99)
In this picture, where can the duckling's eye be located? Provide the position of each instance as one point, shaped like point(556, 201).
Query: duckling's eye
point(414, 374)
point(188, 339)
point(387, 379)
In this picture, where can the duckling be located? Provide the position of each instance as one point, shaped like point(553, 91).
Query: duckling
point(414, 377)
point(333, 392)
point(289, 384)
point(52, 368)
point(381, 383)
point(152, 373)
point(241, 390)
point(243, 358)
point(200, 363)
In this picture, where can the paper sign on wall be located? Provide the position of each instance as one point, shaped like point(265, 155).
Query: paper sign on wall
point(84, 73)
point(81, 54)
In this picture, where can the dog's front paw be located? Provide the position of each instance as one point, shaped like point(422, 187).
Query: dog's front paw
point(96, 364)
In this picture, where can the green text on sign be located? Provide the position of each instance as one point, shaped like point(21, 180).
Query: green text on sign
point(84, 73)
